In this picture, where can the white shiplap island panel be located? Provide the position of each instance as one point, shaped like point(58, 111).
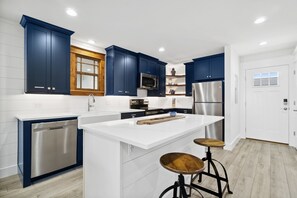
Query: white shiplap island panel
point(121, 158)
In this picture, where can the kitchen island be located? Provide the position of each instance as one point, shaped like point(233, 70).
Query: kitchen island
point(121, 158)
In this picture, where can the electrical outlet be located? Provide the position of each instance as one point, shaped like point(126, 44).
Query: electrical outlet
point(130, 149)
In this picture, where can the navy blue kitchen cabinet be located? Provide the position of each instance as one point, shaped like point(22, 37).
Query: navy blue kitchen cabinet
point(161, 75)
point(121, 71)
point(147, 64)
point(217, 68)
point(47, 57)
point(189, 77)
point(209, 68)
point(162, 79)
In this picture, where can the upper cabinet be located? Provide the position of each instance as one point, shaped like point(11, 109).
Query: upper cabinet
point(209, 68)
point(121, 71)
point(204, 69)
point(161, 75)
point(151, 65)
point(47, 57)
point(147, 64)
point(123, 68)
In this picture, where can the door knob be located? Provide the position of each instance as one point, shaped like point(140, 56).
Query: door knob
point(285, 108)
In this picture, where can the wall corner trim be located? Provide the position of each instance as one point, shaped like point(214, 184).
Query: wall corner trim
point(231, 146)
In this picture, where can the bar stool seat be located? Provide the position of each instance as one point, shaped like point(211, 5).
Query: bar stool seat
point(208, 142)
point(183, 164)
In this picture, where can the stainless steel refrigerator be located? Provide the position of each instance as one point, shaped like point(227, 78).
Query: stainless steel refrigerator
point(208, 99)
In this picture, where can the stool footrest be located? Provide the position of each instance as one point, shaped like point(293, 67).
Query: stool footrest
point(211, 175)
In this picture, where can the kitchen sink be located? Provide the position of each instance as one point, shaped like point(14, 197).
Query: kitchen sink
point(99, 116)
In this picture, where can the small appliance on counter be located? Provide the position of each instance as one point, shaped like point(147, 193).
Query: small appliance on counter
point(143, 104)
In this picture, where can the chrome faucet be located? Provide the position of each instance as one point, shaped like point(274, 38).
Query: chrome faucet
point(91, 104)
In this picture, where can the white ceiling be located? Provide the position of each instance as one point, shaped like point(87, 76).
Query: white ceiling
point(186, 28)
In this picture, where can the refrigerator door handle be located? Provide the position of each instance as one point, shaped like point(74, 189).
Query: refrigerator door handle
point(193, 107)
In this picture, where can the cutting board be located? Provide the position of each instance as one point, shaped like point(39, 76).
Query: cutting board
point(159, 120)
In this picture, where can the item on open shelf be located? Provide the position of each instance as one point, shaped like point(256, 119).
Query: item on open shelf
point(172, 91)
point(173, 72)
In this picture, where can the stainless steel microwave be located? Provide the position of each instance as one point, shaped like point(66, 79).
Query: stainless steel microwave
point(148, 81)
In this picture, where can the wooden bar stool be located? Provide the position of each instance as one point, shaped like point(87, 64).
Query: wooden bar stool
point(210, 162)
point(183, 164)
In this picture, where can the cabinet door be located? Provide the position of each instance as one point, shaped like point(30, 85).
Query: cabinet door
point(119, 73)
point(130, 75)
point(147, 66)
point(217, 67)
point(37, 56)
point(189, 78)
point(162, 81)
point(201, 69)
point(143, 65)
point(60, 63)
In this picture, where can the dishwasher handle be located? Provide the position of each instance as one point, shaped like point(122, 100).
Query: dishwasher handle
point(56, 128)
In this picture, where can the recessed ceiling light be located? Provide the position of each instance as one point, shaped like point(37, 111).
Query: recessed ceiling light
point(161, 49)
point(71, 12)
point(91, 41)
point(260, 20)
point(263, 43)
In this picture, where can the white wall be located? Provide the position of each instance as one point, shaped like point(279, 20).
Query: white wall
point(273, 58)
point(13, 101)
point(232, 119)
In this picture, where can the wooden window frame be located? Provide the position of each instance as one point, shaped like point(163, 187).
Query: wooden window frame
point(74, 53)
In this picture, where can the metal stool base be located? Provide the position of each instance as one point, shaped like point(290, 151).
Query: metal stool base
point(182, 188)
point(211, 163)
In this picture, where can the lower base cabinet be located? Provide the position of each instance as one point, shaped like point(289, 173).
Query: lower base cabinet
point(47, 147)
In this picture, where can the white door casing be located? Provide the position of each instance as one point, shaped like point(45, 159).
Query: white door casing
point(294, 106)
point(267, 114)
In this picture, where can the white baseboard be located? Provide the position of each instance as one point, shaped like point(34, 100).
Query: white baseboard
point(231, 146)
point(8, 171)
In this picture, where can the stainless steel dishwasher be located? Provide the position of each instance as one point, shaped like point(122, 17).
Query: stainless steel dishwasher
point(53, 146)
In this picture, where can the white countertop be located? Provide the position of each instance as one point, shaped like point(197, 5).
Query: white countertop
point(43, 116)
point(149, 136)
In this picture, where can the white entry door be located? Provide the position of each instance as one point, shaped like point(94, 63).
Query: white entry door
point(267, 104)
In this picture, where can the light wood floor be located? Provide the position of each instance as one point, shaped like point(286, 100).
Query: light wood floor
point(256, 169)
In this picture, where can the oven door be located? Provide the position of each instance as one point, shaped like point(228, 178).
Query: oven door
point(148, 81)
